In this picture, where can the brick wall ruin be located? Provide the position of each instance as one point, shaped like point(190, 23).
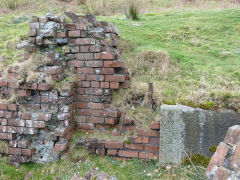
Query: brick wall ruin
point(63, 83)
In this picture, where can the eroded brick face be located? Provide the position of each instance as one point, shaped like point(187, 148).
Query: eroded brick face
point(84, 67)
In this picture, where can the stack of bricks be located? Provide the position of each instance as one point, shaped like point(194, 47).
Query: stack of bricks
point(37, 119)
point(145, 145)
point(39, 122)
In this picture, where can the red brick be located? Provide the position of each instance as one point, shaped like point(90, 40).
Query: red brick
point(235, 160)
point(35, 124)
point(93, 63)
point(96, 105)
point(114, 144)
point(95, 77)
point(7, 136)
point(85, 70)
point(31, 40)
point(155, 125)
point(53, 70)
point(141, 139)
point(147, 155)
point(84, 56)
point(84, 41)
point(94, 91)
point(115, 78)
point(104, 55)
point(13, 144)
point(3, 122)
point(104, 84)
point(86, 84)
point(45, 117)
point(85, 126)
point(95, 48)
point(223, 174)
point(134, 146)
point(128, 153)
point(12, 107)
point(70, 26)
point(114, 85)
point(25, 115)
point(154, 140)
point(101, 152)
point(16, 151)
point(81, 105)
point(32, 32)
point(43, 86)
point(61, 146)
point(95, 120)
point(75, 33)
point(13, 84)
point(112, 152)
point(16, 122)
point(18, 158)
point(27, 152)
point(3, 83)
point(104, 71)
point(24, 143)
point(3, 106)
point(148, 133)
point(80, 77)
point(81, 26)
point(23, 93)
point(111, 121)
point(61, 34)
point(84, 49)
point(62, 131)
point(151, 148)
point(95, 84)
point(113, 64)
point(218, 157)
point(233, 135)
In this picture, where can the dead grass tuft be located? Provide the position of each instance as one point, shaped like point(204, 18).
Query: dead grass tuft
point(27, 69)
point(151, 65)
point(3, 147)
point(133, 101)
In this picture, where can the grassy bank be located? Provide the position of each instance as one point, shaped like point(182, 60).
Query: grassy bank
point(203, 46)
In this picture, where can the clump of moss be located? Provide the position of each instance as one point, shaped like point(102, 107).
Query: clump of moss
point(212, 149)
point(196, 159)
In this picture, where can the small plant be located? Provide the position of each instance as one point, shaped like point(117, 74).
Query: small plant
point(82, 2)
point(11, 4)
point(212, 149)
point(196, 159)
point(133, 12)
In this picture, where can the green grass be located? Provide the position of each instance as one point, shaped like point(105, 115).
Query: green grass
point(13, 29)
point(203, 44)
point(124, 170)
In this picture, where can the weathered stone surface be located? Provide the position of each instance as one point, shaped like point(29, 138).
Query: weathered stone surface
point(217, 159)
point(225, 162)
point(185, 129)
point(233, 135)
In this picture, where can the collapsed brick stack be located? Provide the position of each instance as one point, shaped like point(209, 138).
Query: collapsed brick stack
point(144, 145)
point(76, 65)
point(225, 163)
point(40, 121)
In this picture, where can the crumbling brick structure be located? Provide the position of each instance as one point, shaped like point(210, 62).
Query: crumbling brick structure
point(63, 83)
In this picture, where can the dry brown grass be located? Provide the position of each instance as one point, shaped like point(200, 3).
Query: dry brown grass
point(3, 147)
